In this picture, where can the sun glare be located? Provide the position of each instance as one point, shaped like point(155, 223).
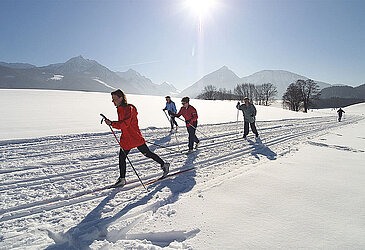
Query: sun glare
point(201, 7)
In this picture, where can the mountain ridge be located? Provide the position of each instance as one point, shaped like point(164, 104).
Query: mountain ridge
point(79, 73)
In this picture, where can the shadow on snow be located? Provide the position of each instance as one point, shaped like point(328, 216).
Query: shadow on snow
point(259, 148)
point(94, 227)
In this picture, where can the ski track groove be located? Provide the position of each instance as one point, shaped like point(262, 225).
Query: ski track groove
point(302, 129)
point(80, 173)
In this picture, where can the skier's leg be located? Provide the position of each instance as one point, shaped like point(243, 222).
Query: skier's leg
point(191, 132)
point(147, 152)
point(174, 121)
point(253, 128)
point(245, 129)
point(195, 138)
point(171, 123)
point(122, 164)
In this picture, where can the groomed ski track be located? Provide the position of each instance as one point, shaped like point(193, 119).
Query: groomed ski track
point(64, 177)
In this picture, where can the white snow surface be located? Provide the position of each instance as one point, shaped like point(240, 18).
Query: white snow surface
point(57, 77)
point(38, 113)
point(300, 185)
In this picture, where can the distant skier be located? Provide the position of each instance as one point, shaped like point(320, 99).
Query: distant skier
point(249, 115)
point(170, 106)
point(191, 119)
point(131, 136)
point(340, 111)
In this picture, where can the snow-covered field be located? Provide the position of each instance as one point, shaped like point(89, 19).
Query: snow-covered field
point(301, 185)
point(39, 113)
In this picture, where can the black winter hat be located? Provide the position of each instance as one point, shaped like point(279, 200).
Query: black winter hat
point(185, 99)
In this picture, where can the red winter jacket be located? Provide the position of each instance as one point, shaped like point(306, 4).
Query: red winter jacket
point(127, 122)
point(188, 113)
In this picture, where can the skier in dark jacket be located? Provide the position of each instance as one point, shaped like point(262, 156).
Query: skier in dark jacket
point(191, 119)
point(249, 115)
point(131, 136)
point(170, 106)
point(340, 111)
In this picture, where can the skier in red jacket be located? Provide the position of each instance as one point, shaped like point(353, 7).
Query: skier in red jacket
point(191, 119)
point(131, 136)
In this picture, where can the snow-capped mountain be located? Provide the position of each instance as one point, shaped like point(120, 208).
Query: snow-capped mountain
point(221, 78)
point(225, 78)
point(89, 75)
point(75, 74)
point(170, 88)
point(79, 73)
point(143, 84)
point(280, 78)
point(74, 65)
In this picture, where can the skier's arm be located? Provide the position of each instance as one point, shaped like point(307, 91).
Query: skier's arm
point(194, 114)
point(238, 106)
point(254, 110)
point(173, 108)
point(176, 115)
point(123, 122)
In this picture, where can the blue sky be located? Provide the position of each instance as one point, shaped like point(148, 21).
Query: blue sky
point(321, 39)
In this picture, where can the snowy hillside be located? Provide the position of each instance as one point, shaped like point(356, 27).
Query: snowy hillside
point(221, 78)
point(300, 185)
point(78, 73)
point(225, 78)
point(70, 112)
point(144, 85)
point(280, 78)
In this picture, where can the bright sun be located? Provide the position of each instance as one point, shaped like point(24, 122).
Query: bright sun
point(201, 7)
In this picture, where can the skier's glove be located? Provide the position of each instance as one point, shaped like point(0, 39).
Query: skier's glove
point(108, 122)
point(187, 121)
point(170, 113)
point(163, 109)
point(238, 103)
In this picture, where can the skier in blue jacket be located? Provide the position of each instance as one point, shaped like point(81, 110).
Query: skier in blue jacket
point(170, 106)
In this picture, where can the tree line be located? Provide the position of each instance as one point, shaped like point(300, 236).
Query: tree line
point(263, 94)
point(301, 95)
point(298, 96)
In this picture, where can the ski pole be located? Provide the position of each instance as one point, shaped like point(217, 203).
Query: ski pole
point(237, 121)
point(167, 116)
point(193, 127)
point(104, 118)
point(177, 141)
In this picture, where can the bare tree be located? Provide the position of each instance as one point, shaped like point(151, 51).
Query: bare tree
point(292, 98)
point(209, 93)
point(224, 94)
point(239, 91)
point(309, 90)
point(268, 92)
point(245, 90)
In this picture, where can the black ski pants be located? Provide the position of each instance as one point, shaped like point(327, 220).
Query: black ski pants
point(192, 136)
point(172, 122)
point(253, 128)
point(144, 150)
